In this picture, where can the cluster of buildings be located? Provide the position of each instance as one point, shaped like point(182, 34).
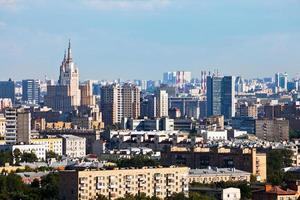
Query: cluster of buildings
point(218, 127)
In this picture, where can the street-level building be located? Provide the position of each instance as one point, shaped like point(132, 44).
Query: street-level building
point(214, 175)
point(51, 144)
point(159, 182)
point(38, 149)
point(73, 146)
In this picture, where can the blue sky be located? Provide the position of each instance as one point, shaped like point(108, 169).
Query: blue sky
point(140, 39)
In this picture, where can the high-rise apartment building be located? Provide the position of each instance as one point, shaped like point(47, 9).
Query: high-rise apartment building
point(158, 182)
point(220, 96)
point(118, 101)
point(31, 91)
point(23, 127)
point(11, 126)
point(87, 97)
point(161, 103)
point(17, 126)
point(66, 95)
point(7, 90)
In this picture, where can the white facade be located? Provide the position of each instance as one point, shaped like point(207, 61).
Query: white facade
point(38, 149)
point(11, 126)
point(215, 135)
point(73, 146)
point(162, 104)
point(231, 194)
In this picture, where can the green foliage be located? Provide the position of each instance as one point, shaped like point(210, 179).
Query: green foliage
point(192, 196)
point(6, 157)
point(17, 155)
point(137, 161)
point(12, 187)
point(243, 185)
point(277, 159)
point(294, 134)
point(28, 157)
point(101, 197)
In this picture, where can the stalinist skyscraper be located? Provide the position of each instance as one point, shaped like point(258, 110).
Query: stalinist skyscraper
point(66, 95)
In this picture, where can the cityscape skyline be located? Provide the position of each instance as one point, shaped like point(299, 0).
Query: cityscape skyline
point(143, 38)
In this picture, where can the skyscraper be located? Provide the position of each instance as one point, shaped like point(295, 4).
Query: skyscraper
point(281, 80)
point(228, 97)
point(31, 91)
point(7, 90)
point(220, 96)
point(66, 95)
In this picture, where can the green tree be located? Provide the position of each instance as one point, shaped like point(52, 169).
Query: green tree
point(101, 197)
point(28, 157)
point(6, 157)
point(17, 155)
point(51, 154)
point(277, 159)
point(137, 161)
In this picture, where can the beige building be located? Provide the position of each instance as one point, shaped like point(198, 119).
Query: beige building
point(160, 182)
point(213, 175)
point(66, 95)
point(162, 103)
point(118, 101)
point(87, 97)
point(51, 144)
point(2, 126)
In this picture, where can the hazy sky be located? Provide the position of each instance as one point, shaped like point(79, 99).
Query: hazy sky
point(140, 39)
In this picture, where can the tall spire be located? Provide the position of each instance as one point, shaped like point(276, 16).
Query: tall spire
point(69, 58)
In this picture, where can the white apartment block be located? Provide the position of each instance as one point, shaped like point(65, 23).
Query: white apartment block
point(73, 146)
point(11, 126)
point(215, 135)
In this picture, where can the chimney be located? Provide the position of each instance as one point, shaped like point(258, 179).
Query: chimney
point(268, 188)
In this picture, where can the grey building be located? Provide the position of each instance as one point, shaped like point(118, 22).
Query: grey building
point(7, 90)
point(272, 130)
point(220, 96)
point(31, 91)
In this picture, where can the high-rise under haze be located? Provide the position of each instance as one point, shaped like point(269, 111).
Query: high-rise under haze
point(66, 95)
point(220, 96)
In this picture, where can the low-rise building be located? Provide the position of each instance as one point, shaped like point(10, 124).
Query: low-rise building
point(246, 159)
point(213, 175)
point(215, 135)
point(52, 144)
point(277, 192)
point(38, 149)
point(73, 146)
point(159, 182)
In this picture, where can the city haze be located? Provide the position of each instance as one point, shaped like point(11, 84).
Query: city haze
point(140, 39)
